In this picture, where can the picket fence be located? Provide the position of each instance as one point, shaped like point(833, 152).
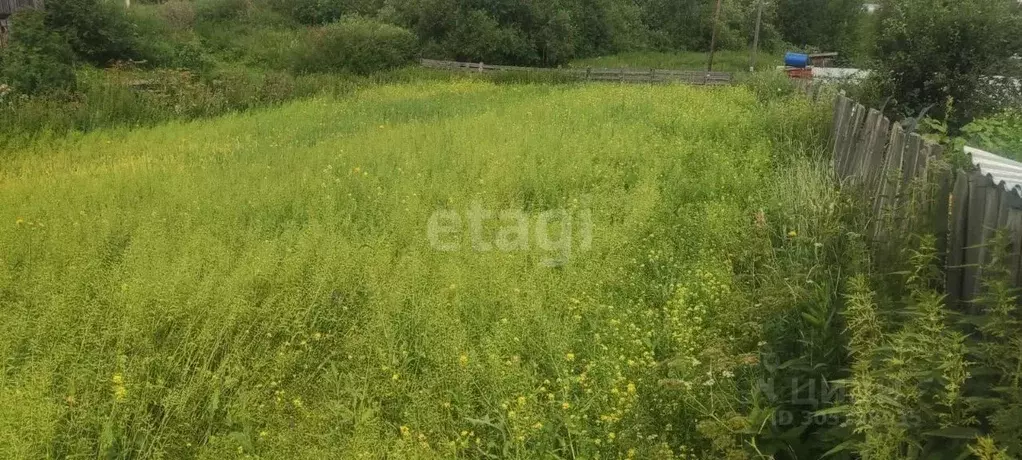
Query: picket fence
point(913, 191)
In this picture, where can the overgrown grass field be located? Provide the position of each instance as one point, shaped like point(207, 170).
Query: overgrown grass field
point(264, 284)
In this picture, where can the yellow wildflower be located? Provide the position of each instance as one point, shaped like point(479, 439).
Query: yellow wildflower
point(792, 234)
point(463, 360)
point(569, 356)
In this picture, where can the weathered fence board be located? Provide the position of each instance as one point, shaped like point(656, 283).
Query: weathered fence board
point(844, 142)
point(891, 183)
point(974, 238)
point(863, 138)
point(872, 165)
point(9, 7)
point(1015, 228)
point(959, 221)
point(913, 191)
point(940, 206)
point(840, 114)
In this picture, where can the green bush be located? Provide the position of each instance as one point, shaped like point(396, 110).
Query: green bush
point(479, 37)
point(1001, 133)
point(313, 11)
point(36, 59)
point(356, 45)
point(220, 10)
point(770, 85)
point(318, 12)
point(930, 51)
point(164, 40)
point(830, 25)
point(178, 13)
point(98, 31)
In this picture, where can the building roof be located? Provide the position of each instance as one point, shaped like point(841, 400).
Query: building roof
point(1007, 173)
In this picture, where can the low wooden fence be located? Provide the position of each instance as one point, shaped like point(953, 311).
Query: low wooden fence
point(9, 7)
point(595, 74)
point(913, 191)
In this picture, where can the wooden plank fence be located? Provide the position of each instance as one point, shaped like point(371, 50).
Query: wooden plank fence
point(913, 191)
point(9, 7)
point(596, 74)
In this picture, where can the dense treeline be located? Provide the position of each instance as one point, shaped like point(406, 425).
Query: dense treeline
point(545, 32)
point(941, 56)
point(553, 32)
point(927, 54)
point(269, 47)
point(509, 31)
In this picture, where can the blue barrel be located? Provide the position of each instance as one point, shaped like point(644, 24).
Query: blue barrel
point(797, 60)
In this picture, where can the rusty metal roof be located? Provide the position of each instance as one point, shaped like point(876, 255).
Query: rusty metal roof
point(1007, 173)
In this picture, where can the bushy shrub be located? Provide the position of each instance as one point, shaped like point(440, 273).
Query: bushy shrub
point(220, 10)
point(164, 41)
point(931, 50)
point(98, 31)
point(318, 12)
point(1001, 133)
point(478, 37)
point(831, 25)
point(770, 85)
point(178, 13)
point(36, 59)
point(313, 11)
point(357, 45)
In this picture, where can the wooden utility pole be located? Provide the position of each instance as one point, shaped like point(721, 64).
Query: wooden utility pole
point(713, 38)
point(755, 40)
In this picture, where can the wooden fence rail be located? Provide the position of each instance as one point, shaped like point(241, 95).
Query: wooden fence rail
point(912, 191)
point(596, 74)
point(9, 7)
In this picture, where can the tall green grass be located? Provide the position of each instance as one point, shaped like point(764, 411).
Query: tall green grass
point(263, 283)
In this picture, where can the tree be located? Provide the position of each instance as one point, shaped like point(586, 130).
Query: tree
point(830, 25)
point(36, 59)
point(931, 51)
point(98, 31)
